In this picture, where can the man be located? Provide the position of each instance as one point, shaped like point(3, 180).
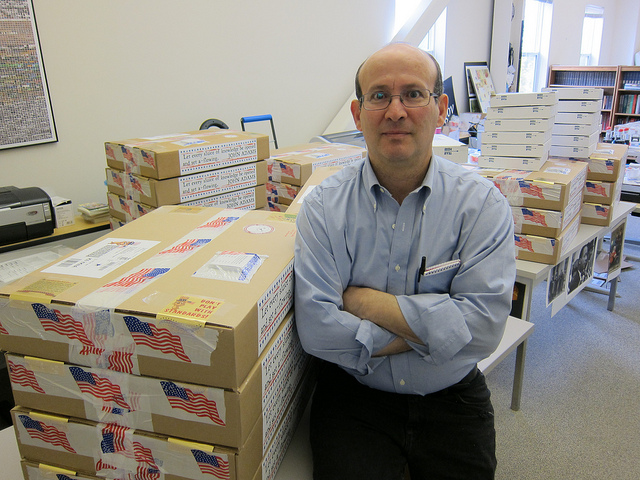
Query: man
point(401, 339)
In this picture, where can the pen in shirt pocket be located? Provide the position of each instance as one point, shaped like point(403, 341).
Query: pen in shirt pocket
point(441, 267)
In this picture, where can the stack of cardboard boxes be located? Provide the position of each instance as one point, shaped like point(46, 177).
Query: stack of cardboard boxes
point(606, 166)
point(517, 131)
point(165, 349)
point(576, 131)
point(290, 167)
point(545, 205)
point(220, 168)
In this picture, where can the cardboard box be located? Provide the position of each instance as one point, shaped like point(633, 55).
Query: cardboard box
point(522, 99)
point(294, 165)
point(204, 414)
point(282, 193)
point(188, 188)
point(582, 105)
point(605, 193)
point(575, 129)
point(186, 153)
point(553, 187)
point(106, 450)
point(490, 149)
point(528, 112)
point(273, 206)
point(546, 250)
point(517, 163)
point(516, 138)
point(607, 162)
point(597, 214)
point(580, 118)
point(125, 209)
point(518, 124)
point(450, 148)
point(572, 152)
point(543, 223)
point(571, 93)
point(250, 198)
point(63, 211)
point(576, 140)
point(314, 180)
point(191, 294)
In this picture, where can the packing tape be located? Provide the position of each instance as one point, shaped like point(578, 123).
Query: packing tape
point(51, 468)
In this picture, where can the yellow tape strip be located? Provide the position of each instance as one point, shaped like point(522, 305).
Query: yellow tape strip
point(47, 416)
point(51, 468)
point(187, 444)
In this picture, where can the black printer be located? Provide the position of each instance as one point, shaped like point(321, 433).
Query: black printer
point(25, 213)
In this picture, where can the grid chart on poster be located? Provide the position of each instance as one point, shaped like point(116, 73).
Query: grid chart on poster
point(26, 117)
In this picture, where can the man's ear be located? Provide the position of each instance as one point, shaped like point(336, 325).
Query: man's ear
point(355, 112)
point(443, 104)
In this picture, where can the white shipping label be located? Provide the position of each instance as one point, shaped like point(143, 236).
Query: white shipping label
point(205, 184)
point(208, 157)
point(101, 258)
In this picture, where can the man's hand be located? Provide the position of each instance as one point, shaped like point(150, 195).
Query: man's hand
point(380, 308)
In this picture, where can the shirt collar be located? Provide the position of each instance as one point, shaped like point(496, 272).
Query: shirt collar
point(371, 181)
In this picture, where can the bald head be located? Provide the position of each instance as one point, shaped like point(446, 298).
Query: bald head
point(404, 49)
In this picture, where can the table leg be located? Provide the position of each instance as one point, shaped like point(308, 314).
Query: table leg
point(613, 287)
point(518, 376)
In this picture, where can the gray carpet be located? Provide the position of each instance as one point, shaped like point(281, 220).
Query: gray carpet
point(580, 411)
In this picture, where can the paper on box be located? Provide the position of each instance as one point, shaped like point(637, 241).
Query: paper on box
point(516, 138)
point(516, 163)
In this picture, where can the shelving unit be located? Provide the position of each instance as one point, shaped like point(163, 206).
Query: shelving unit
point(605, 77)
point(627, 107)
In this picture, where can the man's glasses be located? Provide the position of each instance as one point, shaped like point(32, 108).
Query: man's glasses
point(411, 99)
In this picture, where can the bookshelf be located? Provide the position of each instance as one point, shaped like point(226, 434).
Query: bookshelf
point(605, 77)
point(621, 85)
point(627, 108)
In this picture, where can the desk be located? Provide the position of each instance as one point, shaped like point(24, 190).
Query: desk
point(79, 228)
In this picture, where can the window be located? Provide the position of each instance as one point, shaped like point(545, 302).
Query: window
point(434, 39)
point(591, 35)
point(534, 53)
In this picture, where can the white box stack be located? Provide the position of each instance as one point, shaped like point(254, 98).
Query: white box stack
point(517, 131)
point(576, 131)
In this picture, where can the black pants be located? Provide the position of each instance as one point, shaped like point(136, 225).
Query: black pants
point(361, 433)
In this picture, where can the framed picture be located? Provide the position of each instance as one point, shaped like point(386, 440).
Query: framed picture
point(26, 116)
point(482, 83)
point(474, 106)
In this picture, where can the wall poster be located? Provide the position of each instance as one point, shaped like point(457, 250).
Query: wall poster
point(26, 116)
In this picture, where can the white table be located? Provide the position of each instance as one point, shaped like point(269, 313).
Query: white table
point(531, 274)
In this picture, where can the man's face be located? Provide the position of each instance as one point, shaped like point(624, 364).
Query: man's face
point(399, 134)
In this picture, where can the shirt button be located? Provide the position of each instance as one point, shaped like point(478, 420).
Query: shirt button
point(393, 226)
point(397, 268)
point(402, 382)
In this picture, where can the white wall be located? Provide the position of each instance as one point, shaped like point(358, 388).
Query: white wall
point(619, 37)
point(120, 69)
point(468, 40)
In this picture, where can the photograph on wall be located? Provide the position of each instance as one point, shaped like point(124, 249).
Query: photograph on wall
point(26, 116)
point(482, 85)
point(556, 282)
point(581, 268)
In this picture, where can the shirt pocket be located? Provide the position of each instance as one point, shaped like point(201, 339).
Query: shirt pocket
point(438, 281)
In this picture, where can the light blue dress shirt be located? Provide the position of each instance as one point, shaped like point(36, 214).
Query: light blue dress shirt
point(352, 232)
